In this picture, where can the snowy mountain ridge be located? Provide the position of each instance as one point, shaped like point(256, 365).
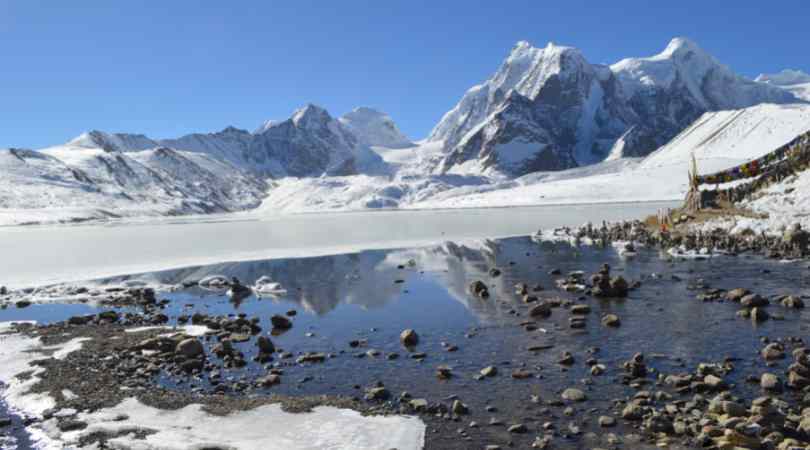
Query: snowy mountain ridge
point(793, 81)
point(309, 143)
point(549, 109)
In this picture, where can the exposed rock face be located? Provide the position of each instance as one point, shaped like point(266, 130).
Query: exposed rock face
point(550, 109)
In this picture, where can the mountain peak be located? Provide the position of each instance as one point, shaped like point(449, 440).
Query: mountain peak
point(682, 46)
point(310, 115)
point(374, 127)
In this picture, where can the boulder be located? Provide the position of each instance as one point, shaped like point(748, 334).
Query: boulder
point(269, 380)
point(190, 348)
point(409, 338)
point(540, 310)
point(773, 351)
point(735, 295)
point(753, 300)
point(280, 322)
point(759, 315)
point(265, 344)
point(792, 301)
point(573, 395)
point(770, 382)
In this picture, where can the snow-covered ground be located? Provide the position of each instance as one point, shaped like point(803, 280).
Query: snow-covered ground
point(785, 204)
point(265, 427)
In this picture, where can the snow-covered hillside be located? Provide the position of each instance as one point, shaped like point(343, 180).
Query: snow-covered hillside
point(550, 109)
point(87, 183)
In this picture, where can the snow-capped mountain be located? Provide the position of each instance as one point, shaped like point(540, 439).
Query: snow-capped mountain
point(550, 109)
point(794, 81)
point(374, 128)
point(310, 143)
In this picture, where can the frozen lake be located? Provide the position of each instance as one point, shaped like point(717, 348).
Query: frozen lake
point(39, 255)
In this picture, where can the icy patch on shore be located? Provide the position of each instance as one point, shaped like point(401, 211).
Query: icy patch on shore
point(188, 330)
point(17, 353)
point(263, 428)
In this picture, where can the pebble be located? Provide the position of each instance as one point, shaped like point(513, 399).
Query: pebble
point(489, 371)
point(611, 320)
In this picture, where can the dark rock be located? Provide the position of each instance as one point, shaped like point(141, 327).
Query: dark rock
point(540, 310)
point(190, 348)
point(281, 322)
point(72, 425)
point(409, 338)
point(265, 344)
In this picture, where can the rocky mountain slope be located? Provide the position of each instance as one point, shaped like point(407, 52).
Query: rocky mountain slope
point(550, 109)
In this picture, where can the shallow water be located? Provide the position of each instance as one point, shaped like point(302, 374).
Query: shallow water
point(368, 295)
point(39, 255)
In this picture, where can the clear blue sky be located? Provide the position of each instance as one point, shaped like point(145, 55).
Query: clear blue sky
point(174, 67)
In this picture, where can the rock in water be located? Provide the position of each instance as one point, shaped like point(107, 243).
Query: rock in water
point(773, 351)
point(791, 301)
point(281, 322)
point(606, 421)
point(489, 371)
point(759, 315)
point(190, 348)
point(611, 320)
point(409, 338)
point(753, 300)
point(459, 408)
point(269, 380)
point(573, 395)
point(238, 291)
point(265, 344)
point(540, 310)
point(770, 382)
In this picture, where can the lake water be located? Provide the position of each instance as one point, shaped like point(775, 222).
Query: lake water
point(39, 255)
point(373, 294)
